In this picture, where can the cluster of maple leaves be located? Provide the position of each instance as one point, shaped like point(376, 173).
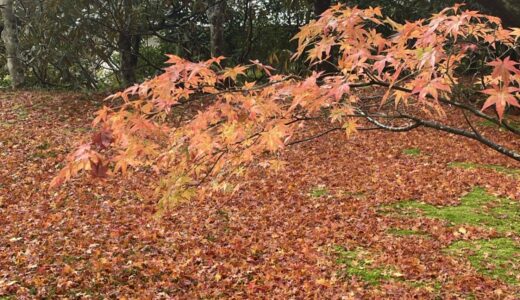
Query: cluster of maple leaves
point(239, 120)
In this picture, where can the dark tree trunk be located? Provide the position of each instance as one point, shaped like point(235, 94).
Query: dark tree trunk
point(320, 6)
point(216, 18)
point(507, 10)
point(10, 37)
point(129, 48)
point(129, 44)
point(248, 27)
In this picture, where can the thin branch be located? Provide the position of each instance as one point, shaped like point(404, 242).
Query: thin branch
point(211, 169)
point(388, 127)
point(459, 105)
point(313, 137)
point(499, 148)
point(470, 124)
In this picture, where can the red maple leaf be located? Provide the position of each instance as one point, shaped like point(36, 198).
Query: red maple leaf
point(102, 138)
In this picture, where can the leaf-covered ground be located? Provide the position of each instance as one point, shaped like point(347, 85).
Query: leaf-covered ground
point(380, 215)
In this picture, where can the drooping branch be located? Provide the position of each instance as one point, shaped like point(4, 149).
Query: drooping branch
point(408, 127)
point(460, 105)
point(472, 135)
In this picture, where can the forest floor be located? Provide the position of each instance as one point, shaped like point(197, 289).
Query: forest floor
point(419, 215)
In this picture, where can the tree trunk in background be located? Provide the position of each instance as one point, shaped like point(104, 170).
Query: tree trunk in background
point(10, 37)
point(507, 10)
point(320, 6)
point(216, 17)
point(129, 45)
point(129, 48)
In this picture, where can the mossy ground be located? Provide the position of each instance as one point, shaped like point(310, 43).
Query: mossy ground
point(319, 191)
point(412, 151)
point(358, 263)
point(405, 232)
point(496, 168)
point(512, 123)
point(477, 208)
point(498, 258)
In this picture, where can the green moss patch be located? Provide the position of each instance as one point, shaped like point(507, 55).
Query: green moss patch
point(496, 168)
point(21, 112)
point(412, 151)
point(319, 191)
point(477, 208)
point(487, 123)
point(358, 263)
point(496, 258)
point(405, 232)
point(513, 123)
point(354, 194)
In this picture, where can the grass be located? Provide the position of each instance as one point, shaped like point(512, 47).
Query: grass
point(43, 146)
point(69, 259)
point(412, 151)
point(21, 112)
point(513, 123)
point(496, 168)
point(7, 125)
point(487, 123)
point(433, 286)
point(319, 191)
point(357, 263)
point(44, 154)
point(497, 258)
point(354, 194)
point(477, 208)
point(405, 232)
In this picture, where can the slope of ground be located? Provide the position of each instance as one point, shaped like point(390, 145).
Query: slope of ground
point(338, 223)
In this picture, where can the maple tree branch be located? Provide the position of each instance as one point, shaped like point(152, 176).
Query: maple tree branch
point(388, 127)
point(472, 135)
point(362, 84)
point(232, 90)
point(470, 124)
point(221, 154)
point(379, 126)
point(459, 105)
point(313, 137)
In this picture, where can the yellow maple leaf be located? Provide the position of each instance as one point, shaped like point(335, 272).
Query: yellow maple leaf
point(515, 33)
point(277, 165)
point(272, 139)
point(401, 96)
point(350, 127)
point(234, 72)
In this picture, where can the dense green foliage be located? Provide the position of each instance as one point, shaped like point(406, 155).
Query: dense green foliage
point(78, 44)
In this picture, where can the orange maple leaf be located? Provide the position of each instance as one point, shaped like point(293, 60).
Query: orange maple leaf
point(504, 68)
point(272, 139)
point(234, 72)
point(500, 97)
